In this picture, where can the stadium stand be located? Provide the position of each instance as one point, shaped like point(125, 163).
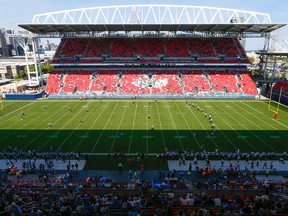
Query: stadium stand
point(283, 88)
point(147, 66)
point(97, 47)
point(247, 83)
point(201, 47)
point(55, 81)
point(165, 196)
point(122, 47)
point(149, 52)
point(177, 47)
point(76, 81)
point(150, 47)
point(73, 47)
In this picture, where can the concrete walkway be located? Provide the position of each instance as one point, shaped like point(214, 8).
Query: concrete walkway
point(58, 165)
point(277, 166)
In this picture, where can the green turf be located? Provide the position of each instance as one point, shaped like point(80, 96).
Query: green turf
point(111, 163)
point(247, 125)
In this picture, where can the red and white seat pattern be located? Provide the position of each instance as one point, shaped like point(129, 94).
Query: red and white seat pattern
point(147, 82)
point(166, 82)
point(76, 80)
point(105, 81)
point(223, 79)
point(97, 47)
point(194, 81)
point(225, 46)
point(73, 47)
point(54, 82)
point(76, 54)
point(150, 48)
point(201, 47)
point(176, 47)
point(248, 85)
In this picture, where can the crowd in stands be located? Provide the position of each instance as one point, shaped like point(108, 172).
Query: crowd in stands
point(80, 198)
point(237, 155)
point(102, 196)
point(283, 88)
point(160, 203)
point(149, 51)
point(150, 82)
point(164, 203)
point(16, 154)
point(168, 195)
point(40, 163)
point(150, 47)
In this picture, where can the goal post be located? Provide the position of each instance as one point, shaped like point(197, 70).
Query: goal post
point(1, 104)
point(278, 103)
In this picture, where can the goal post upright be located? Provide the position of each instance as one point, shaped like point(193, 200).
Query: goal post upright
point(270, 98)
point(278, 103)
point(1, 104)
point(279, 100)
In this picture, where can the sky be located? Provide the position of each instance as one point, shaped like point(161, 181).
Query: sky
point(14, 12)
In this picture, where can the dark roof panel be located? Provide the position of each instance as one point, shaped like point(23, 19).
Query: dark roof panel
point(231, 27)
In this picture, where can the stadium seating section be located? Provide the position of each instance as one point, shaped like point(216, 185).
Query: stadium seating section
point(149, 82)
point(281, 87)
point(149, 47)
point(75, 53)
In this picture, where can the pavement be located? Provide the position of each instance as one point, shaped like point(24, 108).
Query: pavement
point(277, 165)
point(58, 164)
point(279, 173)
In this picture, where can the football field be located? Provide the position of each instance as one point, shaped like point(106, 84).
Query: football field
point(108, 126)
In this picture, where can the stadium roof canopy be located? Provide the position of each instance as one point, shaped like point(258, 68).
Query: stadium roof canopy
point(273, 53)
point(147, 18)
point(231, 27)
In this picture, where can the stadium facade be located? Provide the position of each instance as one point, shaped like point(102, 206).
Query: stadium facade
point(151, 51)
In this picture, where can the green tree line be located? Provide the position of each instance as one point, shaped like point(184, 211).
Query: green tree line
point(23, 73)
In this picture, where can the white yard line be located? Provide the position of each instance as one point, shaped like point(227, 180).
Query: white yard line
point(203, 128)
point(161, 128)
point(90, 112)
point(17, 117)
point(131, 135)
point(176, 129)
point(90, 126)
point(59, 130)
point(265, 123)
point(265, 115)
point(283, 105)
point(45, 129)
point(119, 126)
point(239, 124)
point(195, 137)
point(147, 107)
point(147, 127)
point(18, 109)
point(243, 116)
point(224, 133)
point(104, 128)
point(32, 120)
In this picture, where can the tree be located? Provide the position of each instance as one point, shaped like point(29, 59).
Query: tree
point(251, 59)
point(46, 68)
point(255, 71)
point(23, 73)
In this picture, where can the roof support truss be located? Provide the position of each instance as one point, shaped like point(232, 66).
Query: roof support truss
point(152, 14)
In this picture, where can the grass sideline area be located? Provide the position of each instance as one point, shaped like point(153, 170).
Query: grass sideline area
point(107, 126)
point(111, 163)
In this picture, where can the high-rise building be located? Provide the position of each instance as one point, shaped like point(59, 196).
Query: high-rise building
point(3, 44)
